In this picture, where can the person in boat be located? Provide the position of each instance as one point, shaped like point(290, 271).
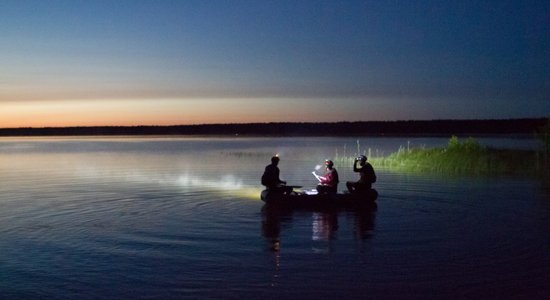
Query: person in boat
point(271, 180)
point(328, 183)
point(366, 176)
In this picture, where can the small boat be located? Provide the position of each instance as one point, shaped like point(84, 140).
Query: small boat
point(311, 199)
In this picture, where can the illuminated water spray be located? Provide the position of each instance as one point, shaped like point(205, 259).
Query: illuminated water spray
point(228, 183)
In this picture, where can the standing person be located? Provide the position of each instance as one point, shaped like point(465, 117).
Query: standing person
point(328, 183)
point(366, 176)
point(271, 179)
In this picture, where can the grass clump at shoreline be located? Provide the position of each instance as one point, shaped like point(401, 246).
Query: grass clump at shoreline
point(465, 157)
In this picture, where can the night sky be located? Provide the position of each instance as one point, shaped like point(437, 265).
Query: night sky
point(67, 63)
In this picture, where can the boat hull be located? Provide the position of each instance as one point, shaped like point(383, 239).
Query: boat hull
point(302, 200)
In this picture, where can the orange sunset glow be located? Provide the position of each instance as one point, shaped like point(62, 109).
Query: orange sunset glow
point(155, 112)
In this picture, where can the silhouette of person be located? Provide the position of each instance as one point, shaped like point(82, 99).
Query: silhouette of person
point(328, 183)
point(271, 180)
point(366, 176)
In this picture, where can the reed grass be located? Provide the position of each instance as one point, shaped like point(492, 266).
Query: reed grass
point(461, 157)
point(465, 156)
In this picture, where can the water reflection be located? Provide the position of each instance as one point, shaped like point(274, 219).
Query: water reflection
point(324, 223)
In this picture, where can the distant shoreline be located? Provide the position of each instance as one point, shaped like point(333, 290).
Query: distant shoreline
point(523, 126)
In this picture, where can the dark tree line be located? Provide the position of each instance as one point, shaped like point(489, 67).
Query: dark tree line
point(371, 128)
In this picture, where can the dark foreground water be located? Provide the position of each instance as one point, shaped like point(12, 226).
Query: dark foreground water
point(181, 218)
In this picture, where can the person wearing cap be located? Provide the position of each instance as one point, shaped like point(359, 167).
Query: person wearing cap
point(271, 180)
point(366, 176)
point(328, 183)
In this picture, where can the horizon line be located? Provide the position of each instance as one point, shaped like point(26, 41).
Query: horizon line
point(276, 122)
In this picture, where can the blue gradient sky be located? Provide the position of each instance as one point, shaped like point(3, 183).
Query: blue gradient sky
point(65, 63)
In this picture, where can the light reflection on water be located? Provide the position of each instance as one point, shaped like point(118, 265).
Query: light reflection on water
point(173, 218)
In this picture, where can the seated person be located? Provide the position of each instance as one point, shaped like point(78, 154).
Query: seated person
point(366, 176)
point(270, 178)
point(328, 183)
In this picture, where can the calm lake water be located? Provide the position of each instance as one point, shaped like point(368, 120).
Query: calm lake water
point(181, 218)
